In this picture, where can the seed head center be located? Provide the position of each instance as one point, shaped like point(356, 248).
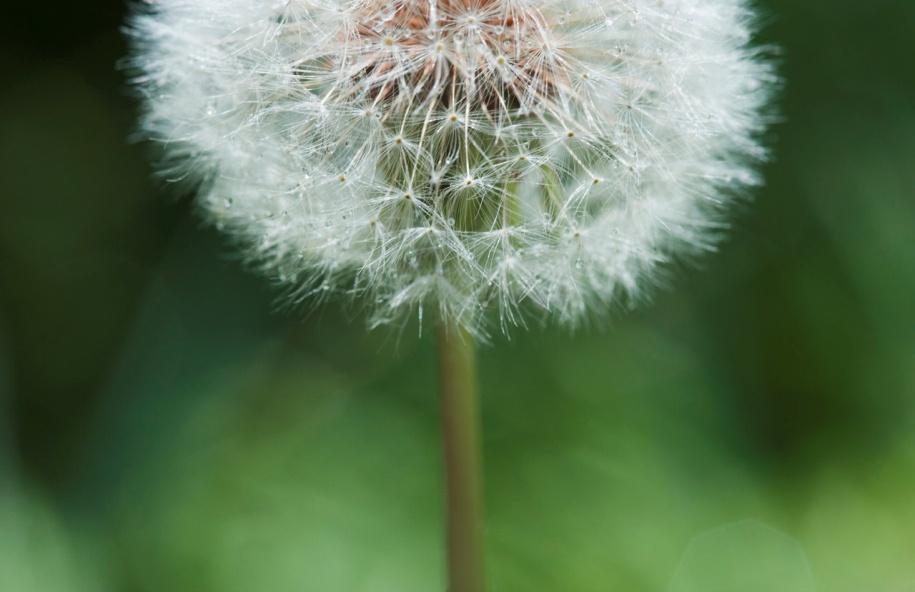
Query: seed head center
point(482, 51)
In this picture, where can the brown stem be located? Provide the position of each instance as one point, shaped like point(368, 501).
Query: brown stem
point(462, 460)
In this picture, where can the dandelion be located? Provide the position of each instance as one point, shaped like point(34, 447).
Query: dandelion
point(480, 159)
point(468, 156)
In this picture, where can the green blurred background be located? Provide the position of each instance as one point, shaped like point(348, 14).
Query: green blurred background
point(163, 427)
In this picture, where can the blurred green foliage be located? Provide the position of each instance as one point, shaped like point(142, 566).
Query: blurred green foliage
point(164, 428)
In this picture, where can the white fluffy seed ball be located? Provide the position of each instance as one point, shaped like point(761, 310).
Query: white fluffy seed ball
point(465, 155)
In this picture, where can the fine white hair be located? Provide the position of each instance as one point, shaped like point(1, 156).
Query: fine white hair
point(466, 156)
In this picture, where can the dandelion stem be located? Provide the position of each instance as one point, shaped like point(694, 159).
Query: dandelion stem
point(462, 460)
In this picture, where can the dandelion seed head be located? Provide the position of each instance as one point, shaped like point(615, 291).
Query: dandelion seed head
point(471, 155)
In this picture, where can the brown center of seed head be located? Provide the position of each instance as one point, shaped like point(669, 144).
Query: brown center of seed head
point(485, 54)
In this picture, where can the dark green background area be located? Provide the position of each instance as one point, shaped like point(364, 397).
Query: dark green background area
point(163, 427)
